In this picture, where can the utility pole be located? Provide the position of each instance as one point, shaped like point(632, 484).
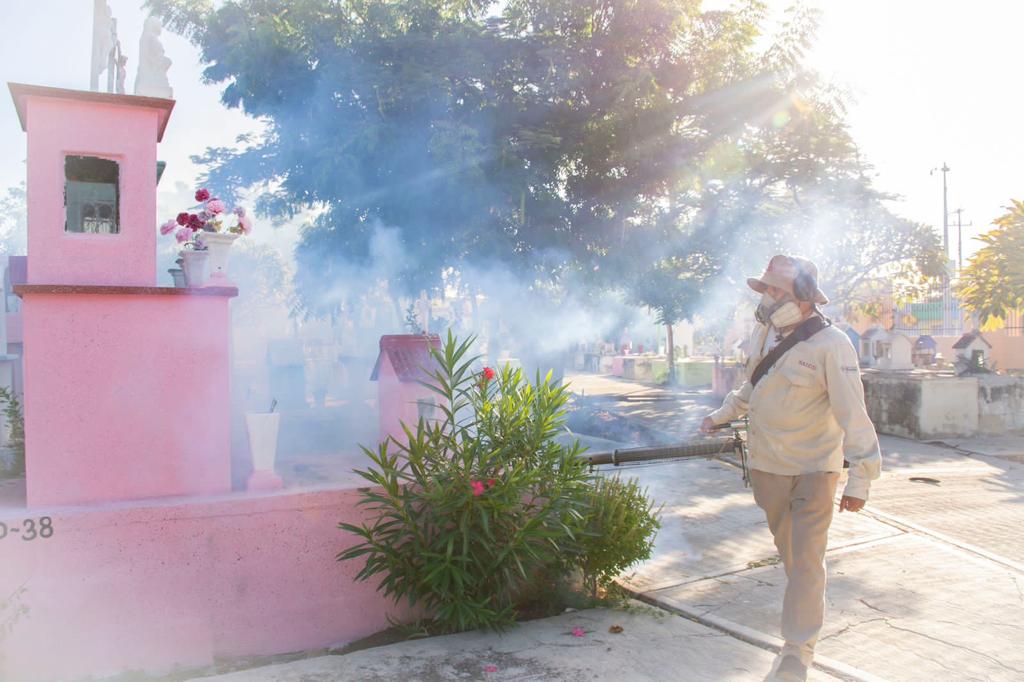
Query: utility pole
point(960, 239)
point(945, 213)
point(947, 295)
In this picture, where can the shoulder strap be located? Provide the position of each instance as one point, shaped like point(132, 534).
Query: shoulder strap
point(806, 330)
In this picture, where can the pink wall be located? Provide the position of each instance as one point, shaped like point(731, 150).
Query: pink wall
point(1007, 351)
point(154, 585)
point(724, 378)
point(126, 134)
point(404, 361)
point(397, 402)
point(126, 396)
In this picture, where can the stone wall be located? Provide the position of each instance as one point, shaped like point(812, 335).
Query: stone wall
point(949, 406)
point(1000, 403)
point(921, 405)
point(893, 403)
point(926, 405)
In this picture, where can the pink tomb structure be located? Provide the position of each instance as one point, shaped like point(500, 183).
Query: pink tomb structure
point(404, 362)
point(149, 562)
point(123, 378)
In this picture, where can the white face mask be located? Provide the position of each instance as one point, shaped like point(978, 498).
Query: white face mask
point(787, 315)
point(780, 314)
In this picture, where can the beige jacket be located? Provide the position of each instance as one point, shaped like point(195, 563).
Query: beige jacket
point(807, 413)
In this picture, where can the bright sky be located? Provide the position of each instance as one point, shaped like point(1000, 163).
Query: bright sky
point(933, 82)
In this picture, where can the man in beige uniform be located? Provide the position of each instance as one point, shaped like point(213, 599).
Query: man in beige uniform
point(806, 415)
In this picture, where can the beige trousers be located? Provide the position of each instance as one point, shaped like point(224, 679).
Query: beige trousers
point(799, 512)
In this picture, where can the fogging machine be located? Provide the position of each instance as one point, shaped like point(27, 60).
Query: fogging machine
point(708, 448)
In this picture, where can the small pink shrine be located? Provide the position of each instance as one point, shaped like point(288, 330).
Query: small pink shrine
point(404, 362)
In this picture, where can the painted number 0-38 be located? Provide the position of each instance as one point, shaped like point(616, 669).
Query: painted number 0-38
point(30, 529)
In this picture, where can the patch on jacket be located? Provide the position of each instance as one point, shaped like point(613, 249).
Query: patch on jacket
point(808, 365)
point(850, 368)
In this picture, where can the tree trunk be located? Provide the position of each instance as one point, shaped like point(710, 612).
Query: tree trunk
point(671, 357)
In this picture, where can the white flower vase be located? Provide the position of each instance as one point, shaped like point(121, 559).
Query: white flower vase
point(263, 428)
point(195, 264)
point(219, 246)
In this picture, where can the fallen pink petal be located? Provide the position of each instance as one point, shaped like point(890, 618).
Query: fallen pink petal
point(490, 668)
point(578, 632)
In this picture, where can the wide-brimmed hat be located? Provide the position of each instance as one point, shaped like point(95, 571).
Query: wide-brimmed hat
point(783, 271)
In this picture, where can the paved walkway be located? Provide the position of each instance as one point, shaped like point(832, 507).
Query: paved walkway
point(653, 645)
point(927, 583)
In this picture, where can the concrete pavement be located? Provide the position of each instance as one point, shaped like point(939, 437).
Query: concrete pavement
point(652, 645)
point(928, 582)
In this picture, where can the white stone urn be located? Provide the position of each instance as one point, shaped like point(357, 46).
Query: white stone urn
point(178, 275)
point(219, 246)
point(263, 428)
point(196, 265)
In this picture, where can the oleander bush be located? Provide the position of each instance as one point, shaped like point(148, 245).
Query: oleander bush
point(479, 509)
point(620, 526)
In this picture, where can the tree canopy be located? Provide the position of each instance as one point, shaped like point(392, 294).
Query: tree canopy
point(992, 284)
point(649, 146)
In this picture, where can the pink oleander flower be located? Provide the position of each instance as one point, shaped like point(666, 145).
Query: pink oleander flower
point(182, 219)
point(245, 223)
point(168, 227)
point(195, 222)
point(490, 482)
point(488, 373)
point(215, 206)
point(578, 632)
point(490, 668)
point(478, 488)
point(183, 235)
point(202, 194)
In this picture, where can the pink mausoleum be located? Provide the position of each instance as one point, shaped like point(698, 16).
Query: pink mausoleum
point(149, 560)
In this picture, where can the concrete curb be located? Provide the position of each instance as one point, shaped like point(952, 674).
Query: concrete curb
point(755, 637)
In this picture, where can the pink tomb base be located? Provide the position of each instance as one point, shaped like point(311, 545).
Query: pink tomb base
point(159, 585)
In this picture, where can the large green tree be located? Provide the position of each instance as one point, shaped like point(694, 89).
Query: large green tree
point(992, 284)
point(651, 147)
point(538, 137)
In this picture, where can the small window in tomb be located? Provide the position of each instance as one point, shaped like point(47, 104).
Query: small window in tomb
point(425, 408)
point(91, 195)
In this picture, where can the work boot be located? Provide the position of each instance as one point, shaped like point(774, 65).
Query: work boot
point(791, 669)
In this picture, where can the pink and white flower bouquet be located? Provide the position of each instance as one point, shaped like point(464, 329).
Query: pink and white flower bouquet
point(211, 215)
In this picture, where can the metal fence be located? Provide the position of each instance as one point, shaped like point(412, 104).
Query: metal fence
point(936, 313)
point(1015, 323)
